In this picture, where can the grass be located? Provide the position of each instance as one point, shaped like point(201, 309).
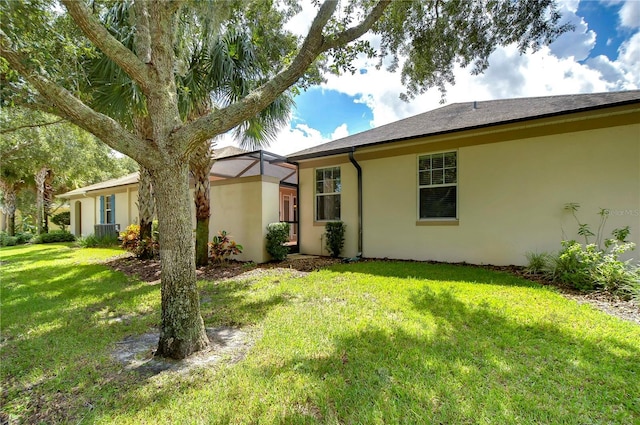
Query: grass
point(361, 343)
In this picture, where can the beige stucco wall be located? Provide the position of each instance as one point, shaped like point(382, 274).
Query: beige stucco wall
point(243, 207)
point(510, 198)
point(126, 209)
point(312, 239)
point(87, 215)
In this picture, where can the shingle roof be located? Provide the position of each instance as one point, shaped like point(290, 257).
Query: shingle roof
point(227, 151)
point(230, 162)
point(120, 181)
point(471, 115)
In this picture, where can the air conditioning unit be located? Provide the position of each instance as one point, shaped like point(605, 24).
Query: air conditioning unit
point(106, 230)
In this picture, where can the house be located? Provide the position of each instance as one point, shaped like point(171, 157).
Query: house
point(248, 191)
point(477, 182)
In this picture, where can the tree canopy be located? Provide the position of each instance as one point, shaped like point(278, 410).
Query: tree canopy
point(32, 140)
point(45, 49)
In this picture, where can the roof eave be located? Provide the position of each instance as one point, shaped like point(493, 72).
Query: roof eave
point(348, 149)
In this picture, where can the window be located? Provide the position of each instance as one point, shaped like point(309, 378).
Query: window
point(438, 186)
point(107, 209)
point(328, 188)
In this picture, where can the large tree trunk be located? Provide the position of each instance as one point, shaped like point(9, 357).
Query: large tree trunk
point(9, 190)
point(200, 167)
point(47, 199)
point(40, 178)
point(182, 330)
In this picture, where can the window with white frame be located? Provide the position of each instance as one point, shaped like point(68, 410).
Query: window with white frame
point(108, 209)
point(328, 188)
point(438, 186)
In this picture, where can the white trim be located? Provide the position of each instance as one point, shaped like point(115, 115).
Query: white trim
point(419, 186)
point(316, 194)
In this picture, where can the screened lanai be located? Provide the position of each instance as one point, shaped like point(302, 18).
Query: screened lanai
point(233, 165)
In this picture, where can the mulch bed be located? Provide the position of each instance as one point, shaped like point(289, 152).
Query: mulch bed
point(149, 271)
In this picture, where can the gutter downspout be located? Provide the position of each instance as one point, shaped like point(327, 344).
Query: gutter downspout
point(359, 169)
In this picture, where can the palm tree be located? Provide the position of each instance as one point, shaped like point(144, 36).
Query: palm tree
point(221, 67)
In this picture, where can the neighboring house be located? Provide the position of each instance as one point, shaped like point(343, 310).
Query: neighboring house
point(477, 182)
point(248, 191)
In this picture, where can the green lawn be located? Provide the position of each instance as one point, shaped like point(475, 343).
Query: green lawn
point(361, 343)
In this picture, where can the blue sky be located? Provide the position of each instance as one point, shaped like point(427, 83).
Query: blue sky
point(602, 54)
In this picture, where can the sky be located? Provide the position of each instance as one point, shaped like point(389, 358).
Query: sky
point(601, 54)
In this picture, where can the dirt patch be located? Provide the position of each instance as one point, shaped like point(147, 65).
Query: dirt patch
point(137, 352)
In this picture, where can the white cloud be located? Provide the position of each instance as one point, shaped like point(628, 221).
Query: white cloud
point(340, 132)
point(630, 14)
point(577, 43)
point(552, 70)
point(629, 53)
point(622, 73)
point(290, 140)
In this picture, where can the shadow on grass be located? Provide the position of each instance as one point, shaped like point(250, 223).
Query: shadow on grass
point(469, 365)
point(434, 271)
point(43, 294)
point(58, 321)
point(227, 304)
point(12, 256)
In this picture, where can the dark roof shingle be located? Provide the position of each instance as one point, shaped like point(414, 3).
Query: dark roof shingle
point(464, 116)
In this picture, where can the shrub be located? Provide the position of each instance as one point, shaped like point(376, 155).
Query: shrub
point(62, 219)
point(574, 264)
point(222, 247)
point(537, 263)
point(89, 241)
point(93, 241)
point(617, 276)
point(334, 232)
point(587, 268)
point(130, 237)
point(6, 240)
point(18, 239)
point(53, 237)
point(23, 238)
point(145, 248)
point(277, 236)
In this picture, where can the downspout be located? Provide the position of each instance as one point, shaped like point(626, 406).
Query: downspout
point(359, 169)
point(261, 162)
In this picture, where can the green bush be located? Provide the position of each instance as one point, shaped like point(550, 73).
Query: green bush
point(574, 265)
point(89, 241)
point(18, 239)
point(6, 240)
point(587, 268)
point(277, 236)
point(53, 237)
point(334, 232)
point(23, 238)
point(62, 219)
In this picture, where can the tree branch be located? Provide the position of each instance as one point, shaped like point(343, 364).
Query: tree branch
point(222, 120)
point(351, 34)
point(67, 106)
point(107, 43)
point(20, 127)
